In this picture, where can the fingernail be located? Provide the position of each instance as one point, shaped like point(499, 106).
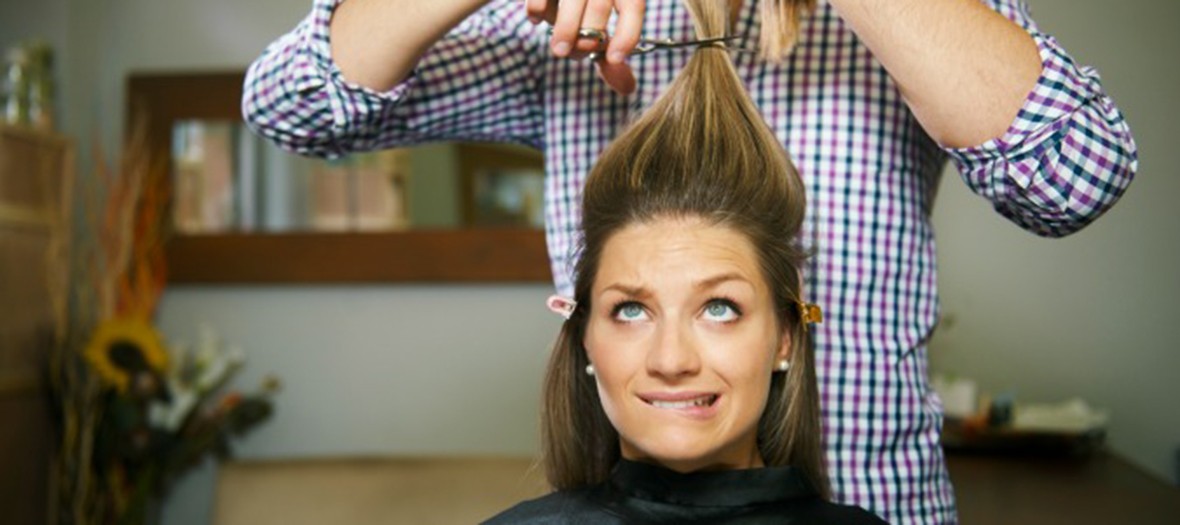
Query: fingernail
point(616, 57)
point(534, 20)
point(561, 49)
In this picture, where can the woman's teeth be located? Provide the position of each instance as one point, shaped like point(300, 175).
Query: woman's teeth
point(702, 401)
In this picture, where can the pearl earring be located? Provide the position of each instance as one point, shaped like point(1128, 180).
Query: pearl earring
point(590, 369)
point(784, 365)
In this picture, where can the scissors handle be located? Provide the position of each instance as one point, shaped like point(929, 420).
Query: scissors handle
point(598, 35)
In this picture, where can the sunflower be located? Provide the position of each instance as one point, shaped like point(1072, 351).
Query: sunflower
point(124, 347)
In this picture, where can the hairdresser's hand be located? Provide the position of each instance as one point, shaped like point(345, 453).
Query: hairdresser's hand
point(567, 16)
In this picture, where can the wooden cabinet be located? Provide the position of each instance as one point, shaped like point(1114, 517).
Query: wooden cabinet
point(33, 168)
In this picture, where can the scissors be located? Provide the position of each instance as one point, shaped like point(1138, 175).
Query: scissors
point(648, 45)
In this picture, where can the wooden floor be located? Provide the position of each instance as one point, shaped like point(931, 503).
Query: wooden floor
point(421, 491)
point(990, 490)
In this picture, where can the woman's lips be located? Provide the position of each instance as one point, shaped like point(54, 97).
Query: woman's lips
point(695, 404)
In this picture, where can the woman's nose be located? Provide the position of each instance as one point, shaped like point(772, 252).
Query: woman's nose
point(674, 352)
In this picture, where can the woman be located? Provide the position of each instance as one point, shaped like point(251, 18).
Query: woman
point(682, 385)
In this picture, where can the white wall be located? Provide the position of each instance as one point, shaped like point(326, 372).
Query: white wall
point(1095, 314)
point(408, 369)
point(384, 369)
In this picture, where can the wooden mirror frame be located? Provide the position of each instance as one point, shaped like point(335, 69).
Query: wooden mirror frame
point(459, 255)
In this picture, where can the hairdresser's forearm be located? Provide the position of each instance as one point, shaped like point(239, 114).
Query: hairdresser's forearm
point(964, 69)
point(376, 43)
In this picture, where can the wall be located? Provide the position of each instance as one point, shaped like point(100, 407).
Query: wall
point(1088, 315)
point(1092, 315)
point(20, 21)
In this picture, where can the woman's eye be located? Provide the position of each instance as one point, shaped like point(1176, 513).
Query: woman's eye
point(721, 311)
point(629, 312)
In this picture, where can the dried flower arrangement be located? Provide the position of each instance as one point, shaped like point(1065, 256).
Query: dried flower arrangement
point(132, 414)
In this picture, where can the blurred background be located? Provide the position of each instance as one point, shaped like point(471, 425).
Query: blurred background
point(453, 369)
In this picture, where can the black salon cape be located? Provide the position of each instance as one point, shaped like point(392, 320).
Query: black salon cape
point(642, 493)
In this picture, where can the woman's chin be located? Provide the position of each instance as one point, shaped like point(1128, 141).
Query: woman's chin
point(685, 455)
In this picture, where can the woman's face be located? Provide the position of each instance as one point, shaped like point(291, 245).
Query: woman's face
point(683, 338)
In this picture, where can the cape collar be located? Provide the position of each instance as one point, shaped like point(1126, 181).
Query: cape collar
point(729, 488)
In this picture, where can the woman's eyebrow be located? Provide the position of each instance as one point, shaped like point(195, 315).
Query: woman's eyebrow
point(711, 282)
point(637, 292)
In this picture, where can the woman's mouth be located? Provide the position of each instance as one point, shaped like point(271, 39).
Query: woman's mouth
point(680, 401)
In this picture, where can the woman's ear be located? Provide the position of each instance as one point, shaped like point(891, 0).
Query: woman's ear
point(783, 353)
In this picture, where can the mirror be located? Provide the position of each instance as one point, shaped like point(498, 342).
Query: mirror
point(246, 212)
point(227, 179)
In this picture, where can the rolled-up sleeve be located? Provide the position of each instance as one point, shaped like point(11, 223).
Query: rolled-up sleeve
point(1069, 154)
point(477, 83)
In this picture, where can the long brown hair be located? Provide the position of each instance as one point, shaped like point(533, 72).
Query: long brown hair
point(701, 151)
point(780, 26)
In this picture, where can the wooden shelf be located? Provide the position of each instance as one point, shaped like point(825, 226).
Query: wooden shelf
point(489, 255)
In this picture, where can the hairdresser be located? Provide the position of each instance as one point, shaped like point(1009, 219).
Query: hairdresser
point(871, 97)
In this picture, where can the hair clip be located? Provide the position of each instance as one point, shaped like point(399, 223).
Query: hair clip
point(563, 306)
point(810, 313)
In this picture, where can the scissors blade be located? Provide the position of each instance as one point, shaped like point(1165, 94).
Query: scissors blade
point(647, 45)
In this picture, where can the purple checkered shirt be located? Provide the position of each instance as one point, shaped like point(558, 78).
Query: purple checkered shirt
point(871, 173)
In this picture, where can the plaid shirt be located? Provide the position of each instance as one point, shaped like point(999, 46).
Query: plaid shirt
point(870, 169)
